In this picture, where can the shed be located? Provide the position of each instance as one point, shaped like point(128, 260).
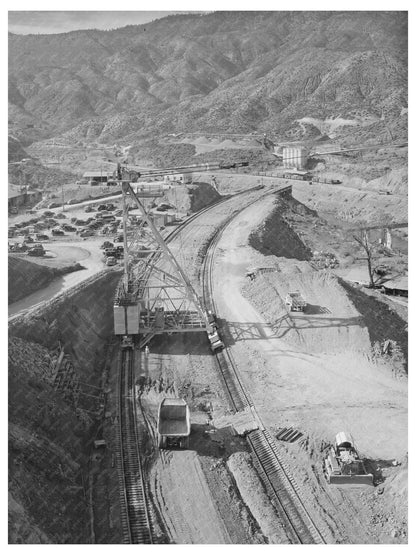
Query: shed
point(398, 286)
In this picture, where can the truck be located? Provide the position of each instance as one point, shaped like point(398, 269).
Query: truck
point(173, 424)
point(295, 302)
point(342, 464)
point(212, 331)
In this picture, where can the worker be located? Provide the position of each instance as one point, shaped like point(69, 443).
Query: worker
point(146, 351)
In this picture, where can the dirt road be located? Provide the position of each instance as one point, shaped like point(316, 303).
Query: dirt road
point(312, 373)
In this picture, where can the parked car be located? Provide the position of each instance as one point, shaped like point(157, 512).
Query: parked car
point(107, 245)
point(38, 250)
point(111, 261)
point(57, 232)
point(48, 213)
point(73, 201)
point(42, 237)
point(110, 207)
point(79, 222)
point(67, 227)
point(61, 216)
point(89, 208)
point(86, 233)
point(54, 205)
point(119, 239)
point(29, 239)
point(102, 207)
point(50, 221)
point(108, 217)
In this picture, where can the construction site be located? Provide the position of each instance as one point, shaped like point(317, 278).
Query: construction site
point(213, 352)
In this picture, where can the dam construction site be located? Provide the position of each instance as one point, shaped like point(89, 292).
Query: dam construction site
point(208, 334)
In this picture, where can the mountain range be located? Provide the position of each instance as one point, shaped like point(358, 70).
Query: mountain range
point(222, 71)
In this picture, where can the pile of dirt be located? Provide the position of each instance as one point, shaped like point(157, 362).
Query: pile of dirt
point(327, 307)
point(255, 497)
point(26, 277)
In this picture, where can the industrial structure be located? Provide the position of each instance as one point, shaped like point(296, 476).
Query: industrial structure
point(155, 296)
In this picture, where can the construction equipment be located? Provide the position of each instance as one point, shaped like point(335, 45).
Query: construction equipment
point(127, 342)
point(295, 301)
point(212, 331)
point(173, 424)
point(343, 465)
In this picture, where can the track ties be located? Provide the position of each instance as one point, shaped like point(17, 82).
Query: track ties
point(134, 512)
point(288, 434)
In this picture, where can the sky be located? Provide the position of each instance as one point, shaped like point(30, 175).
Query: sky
point(40, 22)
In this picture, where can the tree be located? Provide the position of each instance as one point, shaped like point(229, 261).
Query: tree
point(370, 249)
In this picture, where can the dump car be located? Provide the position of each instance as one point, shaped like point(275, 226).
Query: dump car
point(295, 301)
point(343, 465)
point(173, 424)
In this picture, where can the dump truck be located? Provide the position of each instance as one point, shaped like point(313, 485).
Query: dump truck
point(173, 424)
point(343, 465)
point(295, 301)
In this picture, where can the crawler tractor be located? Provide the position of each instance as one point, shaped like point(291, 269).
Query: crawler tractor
point(343, 465)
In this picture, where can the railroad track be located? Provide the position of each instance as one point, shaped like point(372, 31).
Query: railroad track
point(135, 519)
point(275, 475)
point(135, 513)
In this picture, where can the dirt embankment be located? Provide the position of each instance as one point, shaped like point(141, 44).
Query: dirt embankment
point(26, 277)
point(383, 324)
point(193, 197)
point(50, 439)
point(277, 236)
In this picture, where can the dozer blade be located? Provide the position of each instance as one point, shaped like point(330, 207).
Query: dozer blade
point(358, 479)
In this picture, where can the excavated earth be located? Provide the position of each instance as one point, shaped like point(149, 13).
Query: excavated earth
point(315, 373)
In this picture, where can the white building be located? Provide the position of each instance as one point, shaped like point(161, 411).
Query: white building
point(295, 157)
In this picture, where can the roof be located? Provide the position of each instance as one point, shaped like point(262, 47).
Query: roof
point(98, 173)
point(398, 283)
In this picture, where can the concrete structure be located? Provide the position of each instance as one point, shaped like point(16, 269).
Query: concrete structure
point(295, 157)
point(20, 196)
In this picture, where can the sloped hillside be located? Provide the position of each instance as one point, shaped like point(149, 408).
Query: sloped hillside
point(25, 276)
point(225, 71)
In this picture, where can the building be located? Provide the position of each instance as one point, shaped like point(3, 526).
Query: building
point(397, 286)
point(100, 176)
point(295, 157)
point(179, 177)
point(20, 196)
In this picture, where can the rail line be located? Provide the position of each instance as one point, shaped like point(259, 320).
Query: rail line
point(135, 519)
point(136, 525)
point(275, 475)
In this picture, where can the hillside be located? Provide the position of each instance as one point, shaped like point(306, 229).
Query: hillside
point(234, 71)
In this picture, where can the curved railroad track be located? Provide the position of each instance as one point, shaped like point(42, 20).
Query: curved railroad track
point(275, 475)
point(135, 511)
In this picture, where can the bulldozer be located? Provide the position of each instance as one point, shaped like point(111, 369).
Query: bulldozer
point(343, 465)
